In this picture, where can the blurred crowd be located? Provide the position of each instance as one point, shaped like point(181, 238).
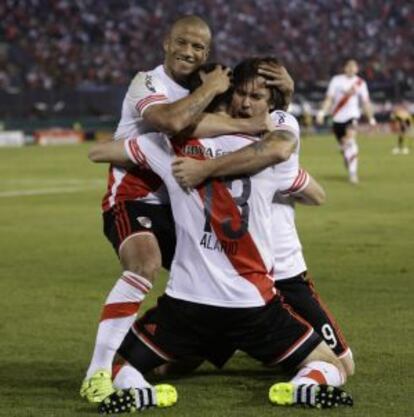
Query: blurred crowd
point(91, 43)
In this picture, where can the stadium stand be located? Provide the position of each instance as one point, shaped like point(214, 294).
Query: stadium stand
point(78, 56)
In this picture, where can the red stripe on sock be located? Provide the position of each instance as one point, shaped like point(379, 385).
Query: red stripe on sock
point(115, 369)
point(118, 310)
point(317, 376)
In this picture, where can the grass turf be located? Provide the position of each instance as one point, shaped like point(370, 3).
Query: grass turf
point(56, 269)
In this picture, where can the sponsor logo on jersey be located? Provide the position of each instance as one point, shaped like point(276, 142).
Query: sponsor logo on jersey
point(280, 118)
point(148, 83)
point(206, 152)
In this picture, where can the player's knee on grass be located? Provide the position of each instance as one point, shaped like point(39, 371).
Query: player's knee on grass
point(324, 353)
point(141, 255)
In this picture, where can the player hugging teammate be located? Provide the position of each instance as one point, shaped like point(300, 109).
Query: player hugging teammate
point(216, 301)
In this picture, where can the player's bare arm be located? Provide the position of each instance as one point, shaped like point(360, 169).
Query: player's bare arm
point(278, 76)
point(326, 106)
point(215, 124)
point(369, 112)
point(276, 147)
point(110, 152)
point(312, 195)
point(174, 117)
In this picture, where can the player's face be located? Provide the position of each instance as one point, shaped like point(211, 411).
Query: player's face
point(186, 48)
point(250, 99)
point(351, 68)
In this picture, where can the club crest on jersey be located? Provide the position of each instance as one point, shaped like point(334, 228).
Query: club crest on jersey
point(148, 83)
point(145, 222)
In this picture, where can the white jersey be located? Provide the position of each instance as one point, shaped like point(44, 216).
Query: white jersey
point(224, 253)
point(146, 89)
point(347, 94)
point(287, 249)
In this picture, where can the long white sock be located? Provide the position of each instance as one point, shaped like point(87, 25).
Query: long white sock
point(117, 316)
point(129, 377)
point(318, 372)
point(350, 149)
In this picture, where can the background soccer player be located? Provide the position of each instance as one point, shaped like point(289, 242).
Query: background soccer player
point(346, 94)
point(401, 120)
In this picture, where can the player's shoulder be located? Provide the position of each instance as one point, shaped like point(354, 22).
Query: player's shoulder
point(149, 81)
point(283, 119)
point(339, 79)
point(360, 80)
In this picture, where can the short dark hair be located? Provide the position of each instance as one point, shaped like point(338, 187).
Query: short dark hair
point(247, 70)
point(194, 81)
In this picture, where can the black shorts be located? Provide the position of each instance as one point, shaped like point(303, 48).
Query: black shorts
point(340, 129)
point(177, 330)
point(131, 217)
point(299, 292)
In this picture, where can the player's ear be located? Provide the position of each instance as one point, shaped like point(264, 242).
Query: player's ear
point(166, 43)
point(207, 52)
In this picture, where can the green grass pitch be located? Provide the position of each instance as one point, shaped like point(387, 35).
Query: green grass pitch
point(56, 269)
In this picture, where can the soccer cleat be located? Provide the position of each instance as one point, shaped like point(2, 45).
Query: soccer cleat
point(396, 151)
point(315, 396)
point(133, 399)
point(353, 179)
point(97, 387)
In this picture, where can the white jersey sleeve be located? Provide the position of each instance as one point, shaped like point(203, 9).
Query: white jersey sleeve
point(145, 90)
point(151, 151)
point(285, 121)
point(299, 183)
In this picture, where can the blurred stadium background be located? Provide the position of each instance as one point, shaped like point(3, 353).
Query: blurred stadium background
point(67, 64)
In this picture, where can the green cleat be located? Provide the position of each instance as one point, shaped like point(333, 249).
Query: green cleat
point(316, 396)
point(166, 395)
point(282, 393)
point(97, 387)
point(133, 399)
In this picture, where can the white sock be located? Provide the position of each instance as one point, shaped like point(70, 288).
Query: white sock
point(318, 372)
point(129, 377)
point(350, 149)
point(118, 314)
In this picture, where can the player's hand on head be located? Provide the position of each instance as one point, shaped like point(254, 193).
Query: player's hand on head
point(219, 79)
point(277, 76)
point(188, 172)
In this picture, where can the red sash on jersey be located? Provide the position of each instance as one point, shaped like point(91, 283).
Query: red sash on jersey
point(248, 262)
point(347, 96)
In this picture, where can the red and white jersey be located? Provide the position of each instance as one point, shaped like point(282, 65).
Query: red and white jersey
point(347, 94)
point(224, 253)
point(146, 89)
point(287, 249)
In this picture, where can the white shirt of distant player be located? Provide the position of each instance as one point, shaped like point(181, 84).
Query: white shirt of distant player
point(339, 87)
point(200, 273)
point(145, 90)
point(287, 249)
